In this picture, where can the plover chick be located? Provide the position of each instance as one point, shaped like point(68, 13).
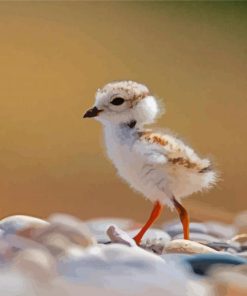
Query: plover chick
point(156, 164)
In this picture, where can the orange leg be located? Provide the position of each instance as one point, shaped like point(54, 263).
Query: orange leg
point(154, 216)
point(184, 218)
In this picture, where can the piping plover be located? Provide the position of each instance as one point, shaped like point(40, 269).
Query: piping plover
point(156, 164)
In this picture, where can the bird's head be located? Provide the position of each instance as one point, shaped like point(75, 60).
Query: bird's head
point(123, 102)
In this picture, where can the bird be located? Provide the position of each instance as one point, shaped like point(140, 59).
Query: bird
point(157, 164)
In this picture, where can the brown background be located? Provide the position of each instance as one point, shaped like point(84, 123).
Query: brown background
point(53, 56)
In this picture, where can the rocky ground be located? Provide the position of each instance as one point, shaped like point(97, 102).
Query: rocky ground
point(66, 256)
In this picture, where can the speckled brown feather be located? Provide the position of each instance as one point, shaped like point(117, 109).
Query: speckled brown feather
point(183, 160)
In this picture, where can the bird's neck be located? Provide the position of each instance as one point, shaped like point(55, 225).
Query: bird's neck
point(121, 133)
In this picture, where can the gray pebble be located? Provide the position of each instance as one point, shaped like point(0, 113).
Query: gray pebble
point(224, 246)
point(176, 228)
point(220, 230)
point(202, 263)
point(241, 222)
point(99, 227)
point(117, 235)
point(243, 254)
point(14, 224)
point(199, 237)
point(241, 240)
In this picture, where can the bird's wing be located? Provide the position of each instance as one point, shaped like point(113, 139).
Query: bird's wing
point(150, 148)
point(167, 149)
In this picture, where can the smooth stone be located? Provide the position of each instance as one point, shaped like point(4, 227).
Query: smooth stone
point(64, 232)
point(16, 243)
point(117, 235)
point(13, 282)
point(229, 281)
point(18, 223)
point(58, 237)
point(36, 263)
point(119, 254)
point(98, 227)
point(199, 237)
point(102, 257)
point(242, 269)
point(175, 257)
point(202, 263)
point(176, 228)
point(68, 220)
point(241, 240)
point(72, 251)
point(243, 254)
point(77, 231)
point(187, 247)
point(57, 243)
point(232, 280)
point(3, 260)
point(2, 233)
point(211, 242)
point(224, 246)
point(241, 222)
point(220, 230)
point(131, 271)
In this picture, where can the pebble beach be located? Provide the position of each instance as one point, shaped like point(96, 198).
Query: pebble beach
point(63, 255)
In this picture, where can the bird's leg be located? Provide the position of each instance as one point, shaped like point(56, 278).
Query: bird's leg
point(184, 218)
point(154, 216)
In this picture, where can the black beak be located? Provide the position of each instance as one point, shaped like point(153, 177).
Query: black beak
point(93, 112)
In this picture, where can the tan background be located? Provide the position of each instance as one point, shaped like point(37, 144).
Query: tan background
point(53, 56)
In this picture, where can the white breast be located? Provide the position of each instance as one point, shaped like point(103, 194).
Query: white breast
point(119, 150)
point(131, 167)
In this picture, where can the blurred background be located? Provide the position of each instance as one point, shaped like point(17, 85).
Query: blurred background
point(53, 57)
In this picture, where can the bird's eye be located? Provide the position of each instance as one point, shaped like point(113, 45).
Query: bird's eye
point(117, 101)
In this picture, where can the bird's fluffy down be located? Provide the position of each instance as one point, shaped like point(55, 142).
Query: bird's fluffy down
point(158, 165)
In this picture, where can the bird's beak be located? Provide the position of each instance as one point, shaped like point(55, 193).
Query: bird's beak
point(93, 112)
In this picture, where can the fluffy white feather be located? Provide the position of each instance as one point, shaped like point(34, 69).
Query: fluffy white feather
point(157, 165)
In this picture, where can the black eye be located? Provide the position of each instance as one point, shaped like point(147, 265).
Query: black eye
point(117, 101)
